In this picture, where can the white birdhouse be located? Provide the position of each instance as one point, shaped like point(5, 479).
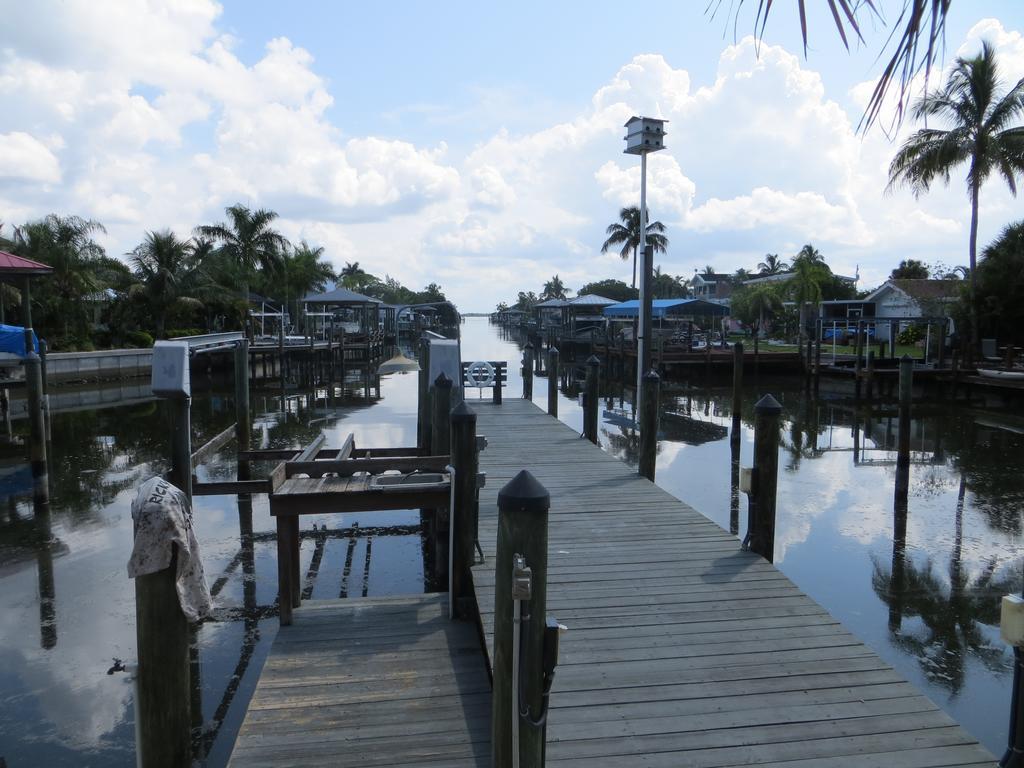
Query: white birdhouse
point(644, 134)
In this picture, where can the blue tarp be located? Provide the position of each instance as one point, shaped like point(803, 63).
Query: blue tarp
point(12, 340)
point(665, 307)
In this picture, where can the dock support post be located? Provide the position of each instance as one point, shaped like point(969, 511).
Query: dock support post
point(869, 375)
point(34, 397)
point(817, 361)
point(181, 444)
point(903, 435)
point(441, 401)
point(522, 531)
point(760, 536)
point(737, 390)
point(163, 695)
point(553, 381)
point(423, 399)
point(858, 346)
point(466, 465)
point(243, 422)
point(592, 399)
point(651, 382)
point(528, 372)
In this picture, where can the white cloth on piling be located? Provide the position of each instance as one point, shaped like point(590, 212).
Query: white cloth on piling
point(163, 518)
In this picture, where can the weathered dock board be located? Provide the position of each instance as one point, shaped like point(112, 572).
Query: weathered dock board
point(683, 650)
point(371, 682)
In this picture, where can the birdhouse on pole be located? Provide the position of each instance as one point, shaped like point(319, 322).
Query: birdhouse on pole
point(644, 134)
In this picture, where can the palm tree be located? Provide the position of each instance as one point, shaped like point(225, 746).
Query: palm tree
point(627, 235)
point(164, 268)
point(248, 240)
point(66, 244)
point(553, 289)
point(982, 134)
point(809, 274)
point(772, 265)
point(303, 271)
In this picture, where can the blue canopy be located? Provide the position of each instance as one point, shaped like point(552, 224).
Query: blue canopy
point(667, 307)
point(12, 340)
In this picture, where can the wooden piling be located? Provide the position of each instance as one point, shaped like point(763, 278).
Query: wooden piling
point(523, 506)
point(423, 411)
point(869, 375)
point(760, 536)
point(181, 444)
point(441, 402)
point(553, 381)
point(528, 372)
point(737, 390)
point(34, 401)
point(651, 383)
point(903, 435)
point(162, 689)
point(817, 361)
point(465, 524)
point(857, 351)
point(592, 399)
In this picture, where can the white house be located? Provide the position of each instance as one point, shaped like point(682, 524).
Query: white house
point(915, 298)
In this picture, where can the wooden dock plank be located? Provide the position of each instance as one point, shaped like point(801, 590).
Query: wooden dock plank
point(371, 682)
point(682, 649)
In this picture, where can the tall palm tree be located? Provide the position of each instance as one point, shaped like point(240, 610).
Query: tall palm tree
point(248, 240)
point(984, 133)
point(303, 271)
point(772, 265)
point(809, 275)
point(66, 244)
point(627, 235)
point(164, 268)
point(553, 289)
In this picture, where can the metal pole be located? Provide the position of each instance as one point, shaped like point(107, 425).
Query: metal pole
point(645, 287)
point(553, 381)
point(523, 506)
point(592, 396)
point(649, 425)
point(761, 519)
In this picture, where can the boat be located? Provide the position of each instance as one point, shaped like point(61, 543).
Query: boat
point(995, 373)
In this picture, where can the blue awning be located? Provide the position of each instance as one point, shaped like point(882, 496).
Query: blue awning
point(668, 308)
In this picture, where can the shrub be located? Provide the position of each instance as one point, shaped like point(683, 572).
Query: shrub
point(139, 339)
point(910, 335)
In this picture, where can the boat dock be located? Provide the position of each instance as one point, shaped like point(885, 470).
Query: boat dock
point(681, 649)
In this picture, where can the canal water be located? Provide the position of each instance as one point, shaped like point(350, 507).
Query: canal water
point(929, 606)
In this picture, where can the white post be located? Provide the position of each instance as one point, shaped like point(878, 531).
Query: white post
point(641, 346)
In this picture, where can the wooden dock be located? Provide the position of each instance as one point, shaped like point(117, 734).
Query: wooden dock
point(371, 682)
point(683, 650)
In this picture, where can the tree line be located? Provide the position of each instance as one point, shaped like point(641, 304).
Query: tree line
point(172, 286)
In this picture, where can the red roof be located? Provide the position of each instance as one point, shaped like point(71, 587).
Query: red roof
point(16, 265)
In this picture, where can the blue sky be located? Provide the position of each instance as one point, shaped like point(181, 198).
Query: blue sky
point(472, 144)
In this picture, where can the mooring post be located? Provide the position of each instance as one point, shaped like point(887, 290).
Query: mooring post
point(162, 686)
point(528, 372)
point(520, 597)
point(441, 400)
point(869, 375)
point(553, 381)
point(464, 526)
point(651, 383)
point(737, 390)
point(592, 398)
point(817, 362)
point(181, 444)
point(808, 362)
point(903, 436)
point(423, 398)
point(760, 536)
point(243, 421)
point(34, 401)
point(857, 363)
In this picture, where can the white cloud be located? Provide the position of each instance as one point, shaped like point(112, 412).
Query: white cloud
point(148, 117)
point(26, 158)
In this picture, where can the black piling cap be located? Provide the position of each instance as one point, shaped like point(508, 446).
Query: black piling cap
point(442, 381)
point(462, 413)
point(553, 351)
point(768, 404)
point(593, 360)
point(524, 493)
point(529, 345)
point(652, 376)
